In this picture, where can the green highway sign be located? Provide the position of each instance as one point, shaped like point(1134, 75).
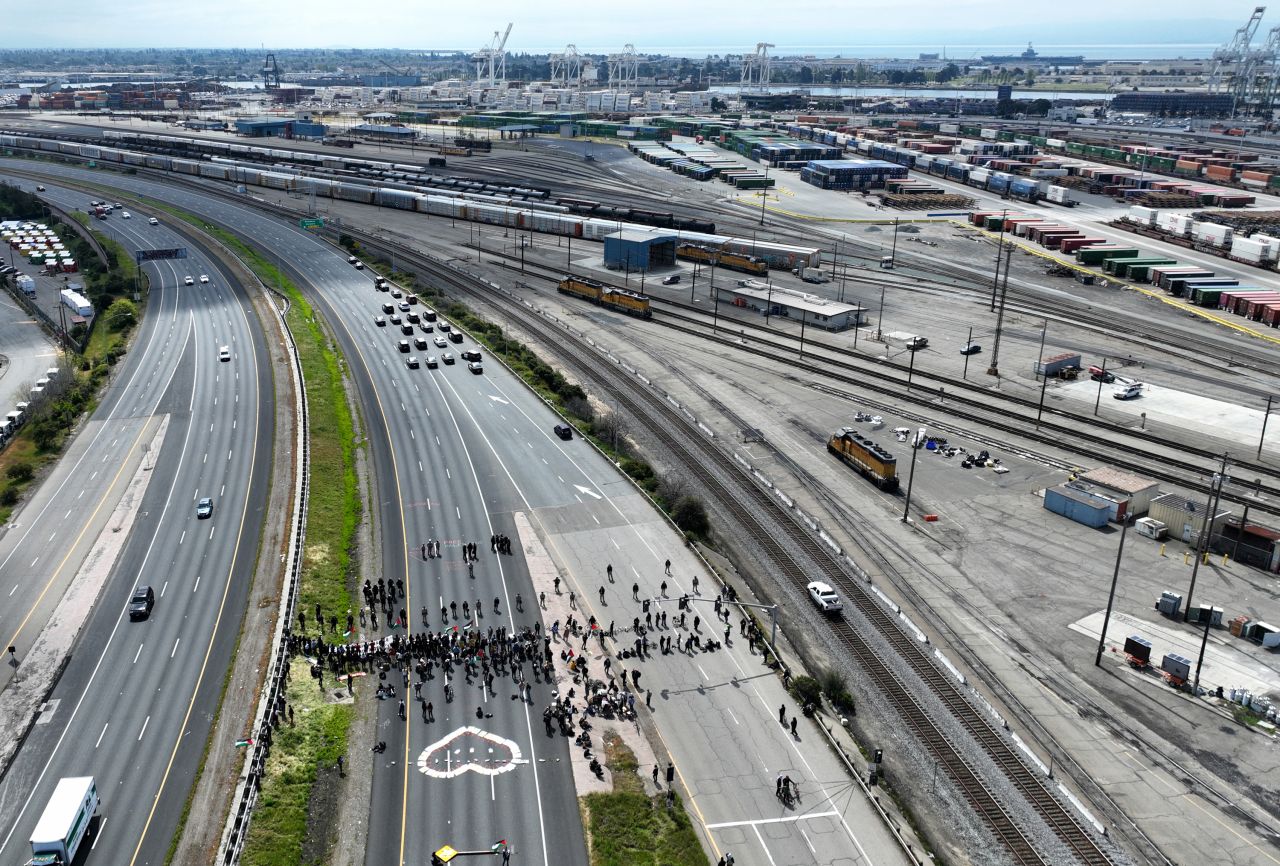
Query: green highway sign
point(311, 223)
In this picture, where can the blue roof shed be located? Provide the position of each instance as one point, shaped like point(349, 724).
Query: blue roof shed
point(638, 250)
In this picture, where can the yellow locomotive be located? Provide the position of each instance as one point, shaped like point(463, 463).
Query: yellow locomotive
point(866, 457)
point(631, 303)
point(722, 259)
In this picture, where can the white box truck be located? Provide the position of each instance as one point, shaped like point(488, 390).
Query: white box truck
point(27, 284)
point(65, 823)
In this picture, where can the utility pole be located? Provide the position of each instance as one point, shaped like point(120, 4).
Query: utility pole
point(994, 369)
point(966, 354)
point(1115, 576)
point(893, 254)
point(911, 475)
point(1206, 530)
point(1264, 427)
point(880, 316)
point(1101, 380)
point(764, 193)
point(995, 282)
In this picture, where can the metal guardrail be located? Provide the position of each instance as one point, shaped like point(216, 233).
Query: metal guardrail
point(249, 785)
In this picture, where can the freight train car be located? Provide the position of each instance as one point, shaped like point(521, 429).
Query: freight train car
point(631, 303)
point(722, 258)
point(865, 456)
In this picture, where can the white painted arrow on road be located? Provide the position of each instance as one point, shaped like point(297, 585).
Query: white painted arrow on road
point(586, 490)
point(498, 399)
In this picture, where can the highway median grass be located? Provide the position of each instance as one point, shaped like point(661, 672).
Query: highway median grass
point(279, 828)
point(628, 827)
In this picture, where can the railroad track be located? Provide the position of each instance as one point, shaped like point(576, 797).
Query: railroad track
point(1137, 451)
point(747, 502)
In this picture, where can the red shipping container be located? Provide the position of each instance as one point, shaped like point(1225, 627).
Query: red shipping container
point(1251, 307)
point(1070, 245)
point(1271, 314)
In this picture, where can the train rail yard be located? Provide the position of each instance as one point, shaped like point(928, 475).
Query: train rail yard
point(1025, 811)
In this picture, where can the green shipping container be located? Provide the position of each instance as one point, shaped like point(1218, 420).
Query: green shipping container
point(1098, 255)
point(1137, 269)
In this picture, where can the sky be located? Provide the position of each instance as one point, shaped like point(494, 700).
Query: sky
point(850, 27)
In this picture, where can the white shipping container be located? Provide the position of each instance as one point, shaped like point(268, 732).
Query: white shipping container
point(1272, 243)
point(1182, 224)
point(1058, 194)
point(1142, 215)
point(1055, 142)
point(990, 134)
point(1212, 233)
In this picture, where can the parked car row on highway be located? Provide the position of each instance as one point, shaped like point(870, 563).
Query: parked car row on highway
point(403, 312)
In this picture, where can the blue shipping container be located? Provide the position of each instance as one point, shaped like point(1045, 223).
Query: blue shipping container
point(1077, 505)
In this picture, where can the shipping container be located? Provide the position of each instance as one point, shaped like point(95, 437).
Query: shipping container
point(1096, 255)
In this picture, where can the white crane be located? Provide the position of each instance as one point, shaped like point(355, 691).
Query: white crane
point(1265, 75)
point(624, 69)
point(491, 60)
point(759, 64)
point(566, 67)
point(1234, 56)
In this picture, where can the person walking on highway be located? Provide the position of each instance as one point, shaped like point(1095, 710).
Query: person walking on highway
point(635, 591)
point(667, 567)
point(556, 584)
point(602, 601)
point(608, 569)
point(782, 714)
point(794, 720)
point(664, 589)
point(695, 584)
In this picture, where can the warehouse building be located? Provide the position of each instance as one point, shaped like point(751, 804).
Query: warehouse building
point(791, 304)
point(384, 133)
point(264, 127)
point(1185, 517)
point(633, 250)
point(1204, 104)
point(1135, 490)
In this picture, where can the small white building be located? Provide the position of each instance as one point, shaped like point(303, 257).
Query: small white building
point(790, 303)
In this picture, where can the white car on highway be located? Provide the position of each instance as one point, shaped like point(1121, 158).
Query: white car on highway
point(224, 353)
point(188, 281)
point(153, 221)
point(204, 278)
